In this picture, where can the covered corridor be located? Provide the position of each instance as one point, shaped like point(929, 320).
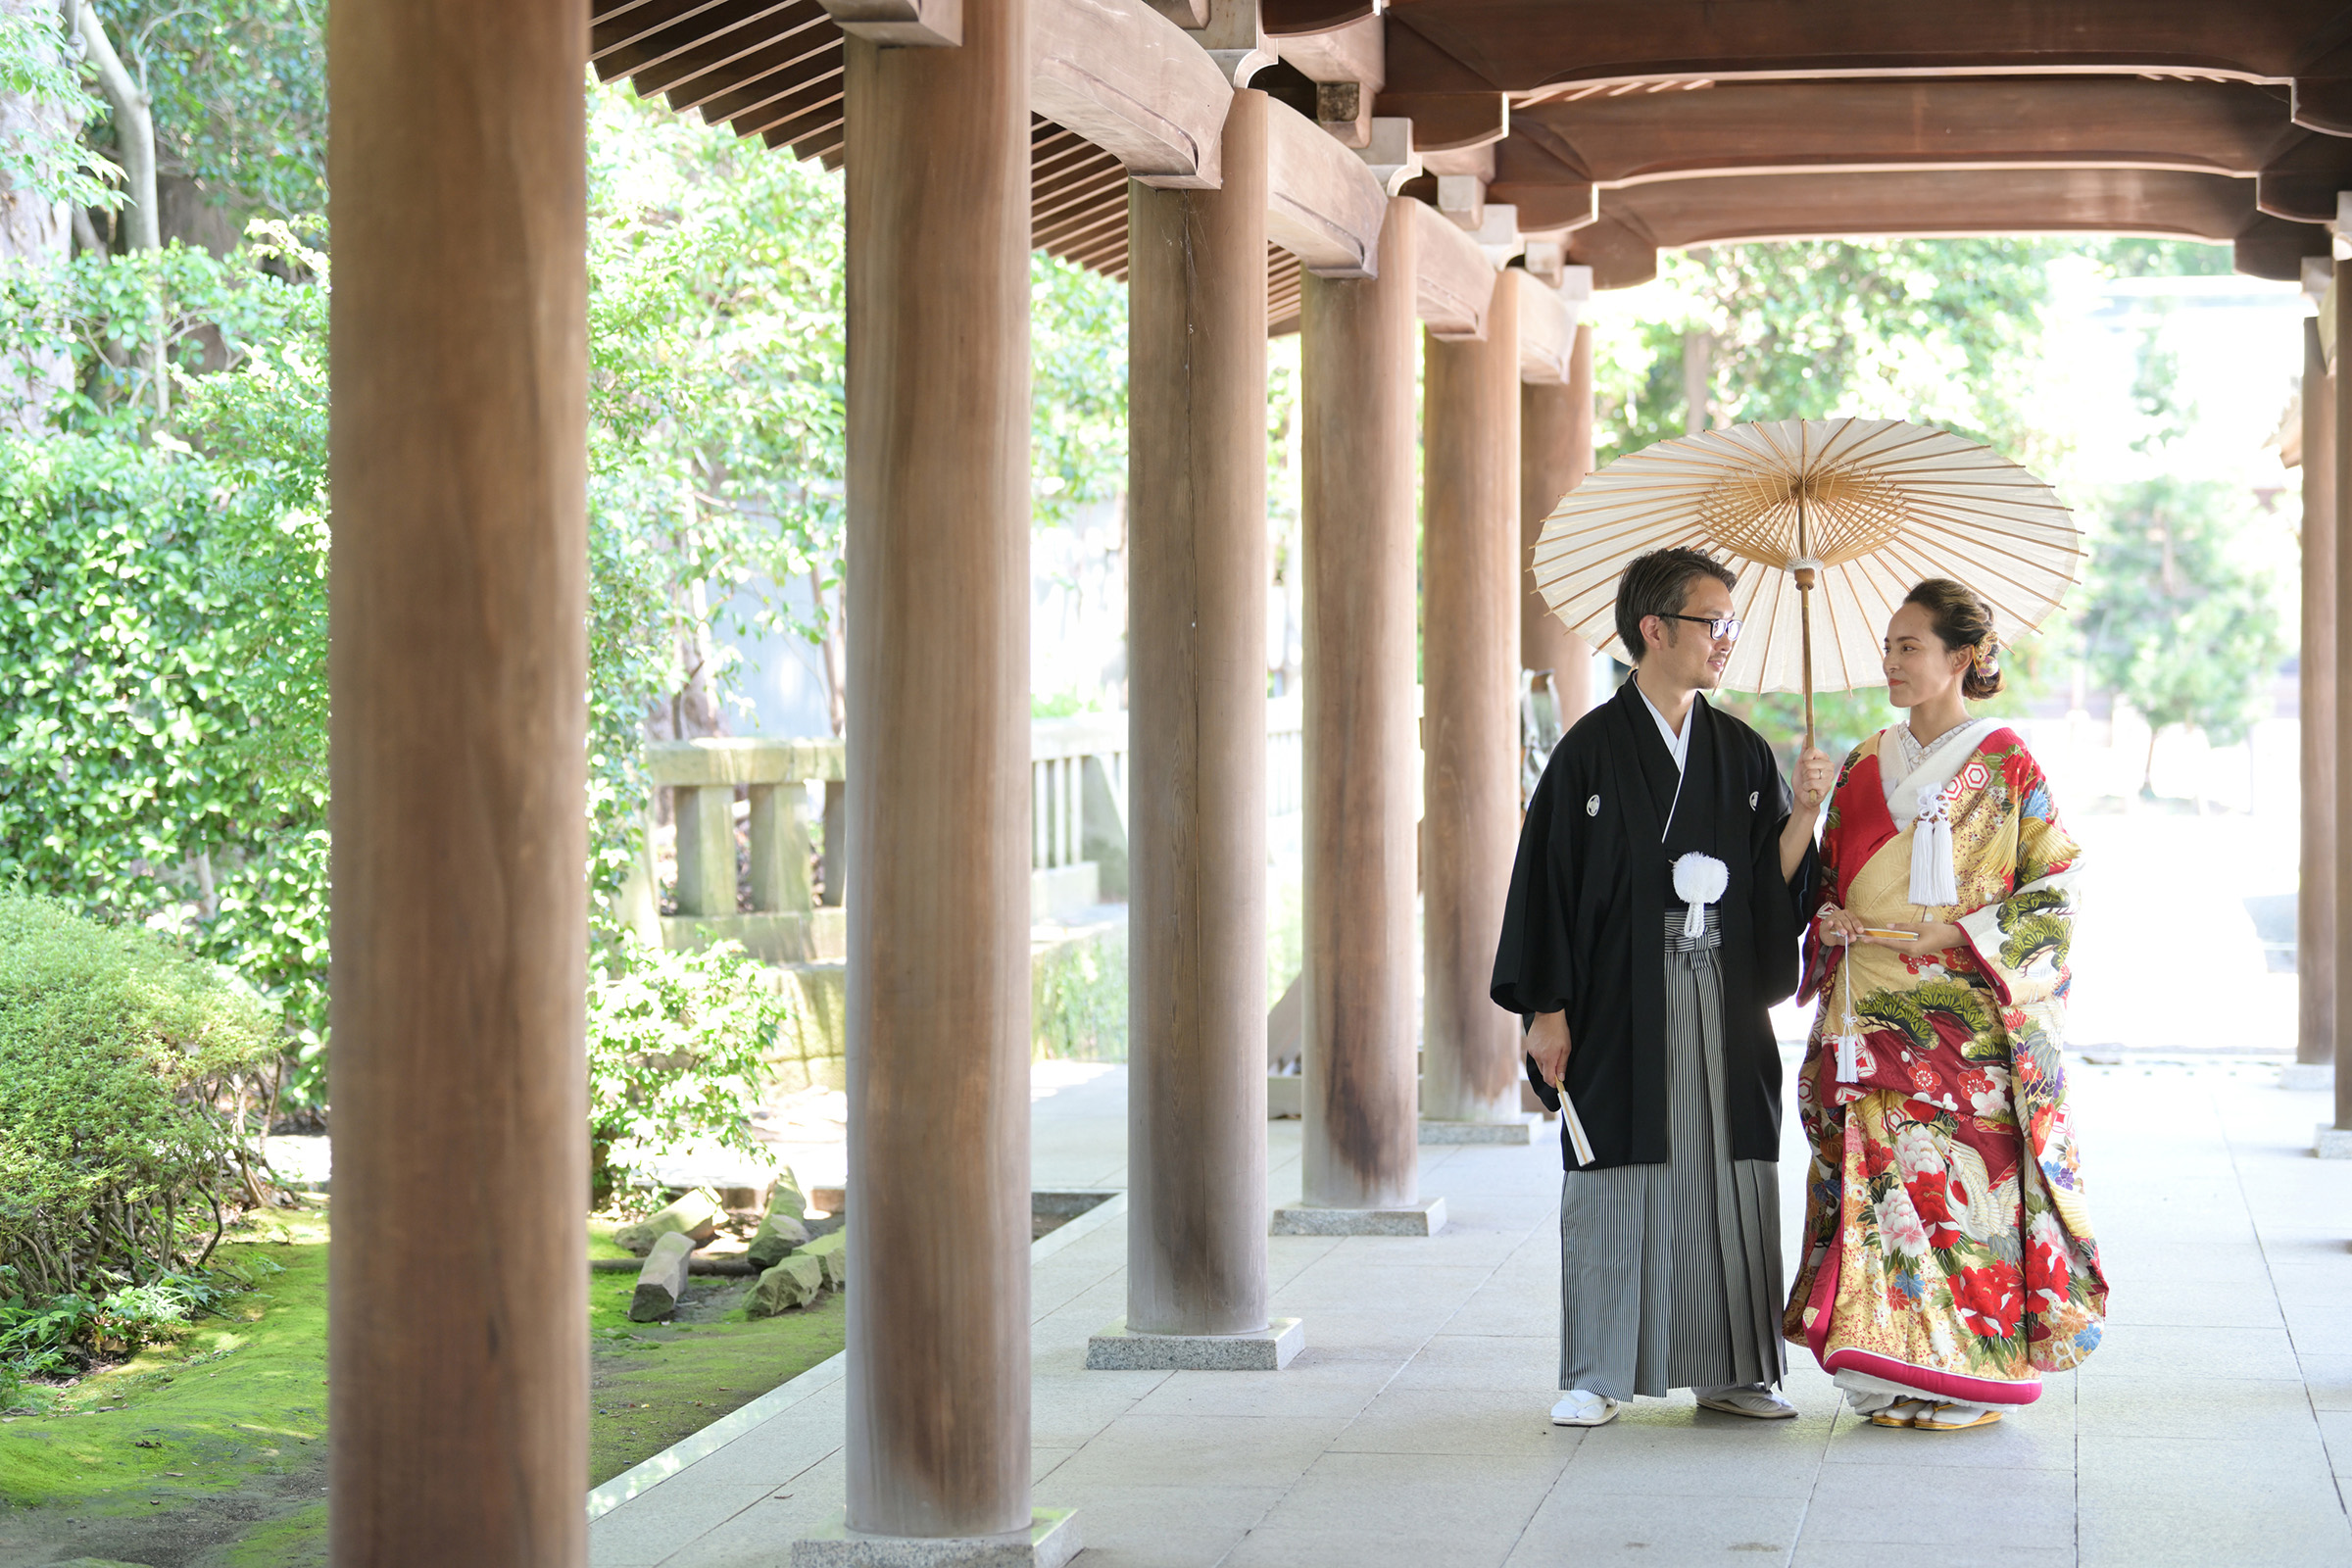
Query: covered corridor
point(1463, 168)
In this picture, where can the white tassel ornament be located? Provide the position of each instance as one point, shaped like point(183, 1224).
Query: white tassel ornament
point(1849, 1040)
point(1698, 881)
point(1931, 881)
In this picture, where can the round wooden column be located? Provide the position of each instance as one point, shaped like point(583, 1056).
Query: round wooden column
point(1197, 722)
point(1361, 1139)
point(1470, 640)
point(1555, 453)
point(938, 735)
point(457, 1353)
point(2343, 693)
point(2315, 906)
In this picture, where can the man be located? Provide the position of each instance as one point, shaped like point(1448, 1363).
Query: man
point(1653, 918)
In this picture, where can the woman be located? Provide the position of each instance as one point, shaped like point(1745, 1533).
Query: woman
point(1949, 1258)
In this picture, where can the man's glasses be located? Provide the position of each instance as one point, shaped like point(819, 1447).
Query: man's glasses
point(1721, 626)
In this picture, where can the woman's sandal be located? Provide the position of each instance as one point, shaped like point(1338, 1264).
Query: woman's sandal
point(1933, 1420)
point(1902, 1413)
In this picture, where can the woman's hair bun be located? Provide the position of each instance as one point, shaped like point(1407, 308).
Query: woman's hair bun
point(1962, 619)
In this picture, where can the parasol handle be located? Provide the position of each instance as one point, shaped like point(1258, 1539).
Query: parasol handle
point(1804, 614)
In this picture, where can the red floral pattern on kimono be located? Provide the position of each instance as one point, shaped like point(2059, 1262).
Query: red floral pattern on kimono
point(1947, 1246)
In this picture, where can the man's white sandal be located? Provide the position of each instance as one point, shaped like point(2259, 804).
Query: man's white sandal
point(1748, 1399)
point(1577, 1409)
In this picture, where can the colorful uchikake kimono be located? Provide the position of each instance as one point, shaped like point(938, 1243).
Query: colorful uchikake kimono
point(1945, 1253)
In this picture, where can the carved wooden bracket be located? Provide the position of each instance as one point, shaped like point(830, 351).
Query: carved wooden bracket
point(908, 23)
point(1121, 74)
point(1324, 205)
point(1456, 282)
point(1546, 328)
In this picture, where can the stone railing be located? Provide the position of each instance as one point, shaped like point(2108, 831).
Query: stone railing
point(1078, 827)
point(1286, 755)
point(782, 923)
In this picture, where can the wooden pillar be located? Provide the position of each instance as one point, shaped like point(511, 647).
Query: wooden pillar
point(1470, 705)
point(458, 1354)
point(938, 732)
point(1197, 763)
point(2315, 906)
point(1356, 438)
point(1555, 453)
point(2343, 691)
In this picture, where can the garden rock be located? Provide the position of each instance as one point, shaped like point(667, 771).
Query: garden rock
point(785, 1226)
point(696, 1215)
point(661, 1283)
point(833, 1252)
point(794, 1281)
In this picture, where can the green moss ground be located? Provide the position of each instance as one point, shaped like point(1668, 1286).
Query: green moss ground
point(652, 1384)
point(212, 1453)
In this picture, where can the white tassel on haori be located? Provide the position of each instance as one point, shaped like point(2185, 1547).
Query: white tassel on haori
point(1698, 881)
point(1932, 882)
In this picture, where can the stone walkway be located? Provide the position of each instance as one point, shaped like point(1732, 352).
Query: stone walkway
point(2214, 1425)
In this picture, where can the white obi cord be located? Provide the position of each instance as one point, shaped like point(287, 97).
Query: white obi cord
point(1698, 880)
point(1931, 880)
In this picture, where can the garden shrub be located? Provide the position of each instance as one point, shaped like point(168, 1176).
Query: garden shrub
point(676, 1051)
point(129, 1072)
point(1078, 997)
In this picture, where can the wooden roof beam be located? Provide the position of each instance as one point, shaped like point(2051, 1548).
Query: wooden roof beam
point(711, 39)
point(1523, 45)
point(744, 86)
point(1758, 128)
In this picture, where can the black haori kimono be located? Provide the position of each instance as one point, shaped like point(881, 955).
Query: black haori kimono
point(1670, 1256)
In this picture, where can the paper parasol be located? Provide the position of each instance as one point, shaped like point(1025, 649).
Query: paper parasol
point(1850, 512)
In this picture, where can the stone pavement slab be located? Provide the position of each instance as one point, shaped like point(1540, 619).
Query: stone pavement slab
point(2214, 1425)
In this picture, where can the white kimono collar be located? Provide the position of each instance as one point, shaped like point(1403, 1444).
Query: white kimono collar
point(1936, 764)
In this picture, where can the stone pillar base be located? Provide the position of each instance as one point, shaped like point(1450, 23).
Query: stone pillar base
point(1115, 1349)
point(1425, 1218)
point(2306, 1075)
point(1519, 1132)
point(2332, 1142)
point(1051, 1542)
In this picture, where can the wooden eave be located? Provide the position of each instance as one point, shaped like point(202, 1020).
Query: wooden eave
point(1701, 122)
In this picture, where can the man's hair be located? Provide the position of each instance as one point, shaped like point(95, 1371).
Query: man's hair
point(1659, 584)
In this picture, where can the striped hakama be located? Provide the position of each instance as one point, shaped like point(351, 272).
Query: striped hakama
point(1670, 1275)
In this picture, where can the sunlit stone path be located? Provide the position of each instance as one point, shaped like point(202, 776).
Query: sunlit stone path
point(2214, 1424)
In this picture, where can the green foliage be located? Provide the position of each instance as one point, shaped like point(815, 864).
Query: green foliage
point(1078, 391)
point(238, 89)
point(1078, 999)
point(1930, 330)
point(165, 614)
point(677, 1042)
point(2130, 256)
point(127, 1071)
point(2174, 619)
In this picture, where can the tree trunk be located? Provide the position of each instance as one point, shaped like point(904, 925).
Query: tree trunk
point(1699, 375)
point(134, 136)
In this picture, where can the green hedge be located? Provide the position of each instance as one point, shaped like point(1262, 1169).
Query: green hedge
point(127, 1069)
